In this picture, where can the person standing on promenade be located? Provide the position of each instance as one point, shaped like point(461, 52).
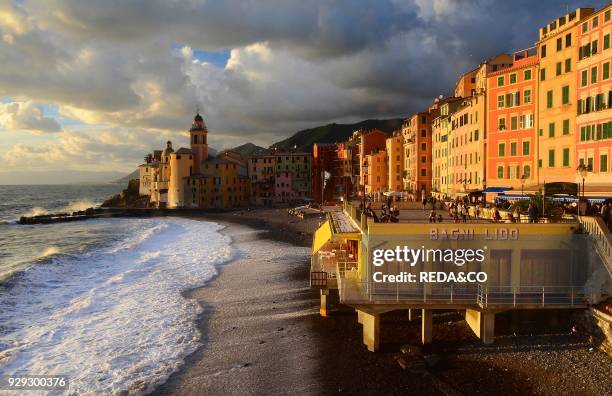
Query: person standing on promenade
point(532, 212)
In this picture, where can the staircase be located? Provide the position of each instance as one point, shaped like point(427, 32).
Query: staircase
point(595, 227)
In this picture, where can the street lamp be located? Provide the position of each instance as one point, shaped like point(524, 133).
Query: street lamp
point(583, 171)
point(523, 178)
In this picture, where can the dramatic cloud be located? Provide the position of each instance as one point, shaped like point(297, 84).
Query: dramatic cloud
point(26, 116)
point(140, 66)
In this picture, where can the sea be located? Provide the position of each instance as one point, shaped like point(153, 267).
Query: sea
point(99, 301)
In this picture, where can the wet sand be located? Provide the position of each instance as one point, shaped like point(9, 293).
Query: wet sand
point(261, 334)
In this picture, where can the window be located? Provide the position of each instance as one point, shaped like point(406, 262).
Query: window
point(585, 27)
point(543, 51)
point(500, 81)
point(594, 47)
point(500, 102)
point(595, 22)
point(423, 172)
point(513, 78)
point(549, 99)
point(551, 158)
point(559, 44)
point(606, 43)
point(423, 159)
point(566, 156)
point(568, 65)
point(423, 147)
point(606, 73)
point(551, 129)
point(513, 148)
point(513, 123)
point(540, 163)
point(594, 75)
point(509, 100)
point(568, 40)
point(603, 163)
point(527, 96)
point(500, 172)
point(566, 127)
point(584, 78)
point(607, 16)
point(526, 171)
point(542, 74)
point(565, 94)
point(501, 124)
point(527, 75)
point(501, 149)
point(559, 68)
point(423, 133)
point(526, 148)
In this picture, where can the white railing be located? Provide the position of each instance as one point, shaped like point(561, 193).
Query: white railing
point(354, 291)
point(532, 295)
point(595, 227)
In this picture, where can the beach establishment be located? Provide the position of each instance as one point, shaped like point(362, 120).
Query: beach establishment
point(528, 267)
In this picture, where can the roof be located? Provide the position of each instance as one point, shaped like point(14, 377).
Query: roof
point(184, 150)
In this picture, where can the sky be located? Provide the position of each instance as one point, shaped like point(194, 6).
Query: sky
point(87, 88)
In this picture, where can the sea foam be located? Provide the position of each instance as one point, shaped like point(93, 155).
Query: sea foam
point(115, 319)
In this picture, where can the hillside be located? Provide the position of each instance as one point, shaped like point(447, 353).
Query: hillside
point(248, 150)
point(333, 133)
point(125, 179)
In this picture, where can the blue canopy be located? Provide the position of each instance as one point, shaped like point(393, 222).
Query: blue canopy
point(497, 189)
point(513, 197)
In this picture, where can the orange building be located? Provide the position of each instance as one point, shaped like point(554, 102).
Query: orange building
point(395, 155)
point(511, 136)
point(416, 132)
point(556, 107)
point(376, 175)
point(369, 142)
point(593, 138)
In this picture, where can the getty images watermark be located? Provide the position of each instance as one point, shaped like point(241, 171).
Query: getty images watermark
point(410, 256)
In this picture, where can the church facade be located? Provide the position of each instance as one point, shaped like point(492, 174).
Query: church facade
point(190, 178)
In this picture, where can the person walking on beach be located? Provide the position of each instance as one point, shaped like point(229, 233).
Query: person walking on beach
point(464, 213)
point(424, 203)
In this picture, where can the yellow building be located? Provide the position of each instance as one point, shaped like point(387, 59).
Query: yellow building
point(181, 167)
point(441, 129)
point(187, 177)
point(556, 107)
point(395, 155)
point(376, 175)
point(467, 145)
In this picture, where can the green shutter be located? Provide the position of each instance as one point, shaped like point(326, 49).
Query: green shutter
point(565, 94)
point(566, 156)
point(606, 71)
point(593, 75)
point(542, 74)
point(525, 148)
point(606, 43)
point(559, 68)
point(584, 78)
point(603, 163)
point(549, 99)
point(551, 158)
point(566, 127)
point(551, 129)
point(568, 65)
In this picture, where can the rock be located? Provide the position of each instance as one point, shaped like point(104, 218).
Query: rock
point(262, 342)
point(280, 329)
point(431, 360)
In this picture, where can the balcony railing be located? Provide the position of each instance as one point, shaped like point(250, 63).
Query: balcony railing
point(602, 238)
point(353, 291)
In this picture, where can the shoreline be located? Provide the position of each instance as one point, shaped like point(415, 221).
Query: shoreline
point(326, 355)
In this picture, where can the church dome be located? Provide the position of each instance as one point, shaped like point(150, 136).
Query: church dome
point(198, 118)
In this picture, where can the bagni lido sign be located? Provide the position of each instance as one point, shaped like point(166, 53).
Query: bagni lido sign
point(499, 234)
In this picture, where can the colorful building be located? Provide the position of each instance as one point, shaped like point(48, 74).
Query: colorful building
point(467, 145)
point(558, 52)
point(441, 128)
point(377, 170)
point(368, 142)
point(395, 156)
point(593, 137)
point(416, 132)
point(261, 174)
point(511, 108)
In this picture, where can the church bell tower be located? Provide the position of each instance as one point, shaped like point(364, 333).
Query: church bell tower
point(199, 145)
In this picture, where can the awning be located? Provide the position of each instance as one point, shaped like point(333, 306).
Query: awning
point(511, 197)
point(497, 189)
point(321, 237)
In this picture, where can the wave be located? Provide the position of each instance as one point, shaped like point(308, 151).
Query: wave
point(78, 205)
point(36, 211)
point(50, 251)
point(114, 319)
